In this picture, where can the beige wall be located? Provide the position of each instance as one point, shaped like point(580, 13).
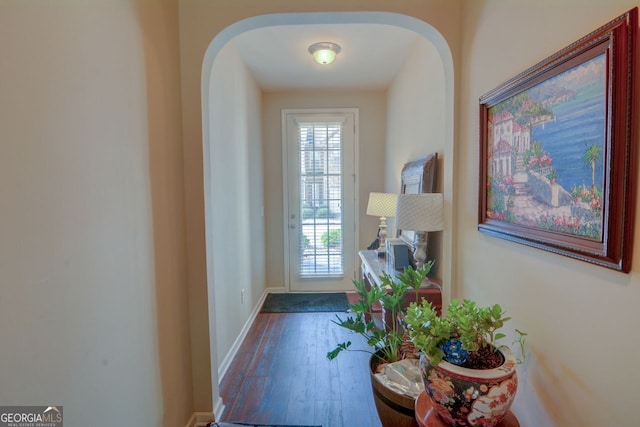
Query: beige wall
point(371, 105)
point(94, 308)
point(417, 126)
point(234, 178)
point(581, 319)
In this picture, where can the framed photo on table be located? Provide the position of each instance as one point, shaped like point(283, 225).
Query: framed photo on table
point(418, 176)
point(558, 149)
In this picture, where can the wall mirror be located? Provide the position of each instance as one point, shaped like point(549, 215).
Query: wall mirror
point(418, 176)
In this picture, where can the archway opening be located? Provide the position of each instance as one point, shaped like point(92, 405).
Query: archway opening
point(215, 148)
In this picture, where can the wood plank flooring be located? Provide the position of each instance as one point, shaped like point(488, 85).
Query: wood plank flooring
point(281, 375)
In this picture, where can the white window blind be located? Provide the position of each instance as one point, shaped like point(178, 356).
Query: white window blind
point(321, 239)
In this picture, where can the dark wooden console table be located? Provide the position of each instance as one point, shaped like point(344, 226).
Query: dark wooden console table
point(372, 268)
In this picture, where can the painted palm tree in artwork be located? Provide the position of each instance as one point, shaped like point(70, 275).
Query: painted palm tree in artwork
point(591, 157)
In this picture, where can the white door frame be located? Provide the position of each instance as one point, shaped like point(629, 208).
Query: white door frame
point(285, 186)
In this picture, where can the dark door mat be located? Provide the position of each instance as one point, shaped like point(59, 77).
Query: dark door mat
point(305, 303)
point(223, 424)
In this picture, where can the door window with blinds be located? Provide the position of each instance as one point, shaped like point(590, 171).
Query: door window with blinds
point(320, 204)
point(320, 148)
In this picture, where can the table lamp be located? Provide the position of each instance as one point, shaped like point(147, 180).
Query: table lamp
point(382, 205)
point(421, 213)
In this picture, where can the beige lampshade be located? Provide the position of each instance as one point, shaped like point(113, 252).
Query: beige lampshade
point(382, 204)
point(420, 212)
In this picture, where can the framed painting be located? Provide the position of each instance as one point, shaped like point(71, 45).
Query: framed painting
point(558, 150)
point(417, 176)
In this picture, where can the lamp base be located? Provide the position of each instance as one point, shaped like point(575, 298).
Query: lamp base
point(382, 237)
point(420, 251)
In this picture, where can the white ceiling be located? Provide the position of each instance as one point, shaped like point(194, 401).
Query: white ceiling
point(371, 55)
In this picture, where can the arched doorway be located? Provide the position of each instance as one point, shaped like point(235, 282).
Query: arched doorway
point(212, 146)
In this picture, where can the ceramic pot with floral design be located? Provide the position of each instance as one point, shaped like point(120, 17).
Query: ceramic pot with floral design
point(471, 397)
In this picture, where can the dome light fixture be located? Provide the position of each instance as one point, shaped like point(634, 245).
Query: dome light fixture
point(324, 52)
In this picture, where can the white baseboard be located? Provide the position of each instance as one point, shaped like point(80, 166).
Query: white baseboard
point(200, 419)
point(218, 407)
point(224, 366)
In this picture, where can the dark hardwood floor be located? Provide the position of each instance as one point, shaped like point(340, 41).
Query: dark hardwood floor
point(281, 375)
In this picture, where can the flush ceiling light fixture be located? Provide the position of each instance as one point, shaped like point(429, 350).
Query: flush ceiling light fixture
point(324, 52)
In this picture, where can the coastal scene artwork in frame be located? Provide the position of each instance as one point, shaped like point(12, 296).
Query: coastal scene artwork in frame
point(557, 151)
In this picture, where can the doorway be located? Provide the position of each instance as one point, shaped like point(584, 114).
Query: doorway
point(220, 343)
point(319, 183)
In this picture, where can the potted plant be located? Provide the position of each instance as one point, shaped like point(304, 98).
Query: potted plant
point(470, 379)
point(385, 340)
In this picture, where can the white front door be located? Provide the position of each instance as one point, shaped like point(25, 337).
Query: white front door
point(319, 182)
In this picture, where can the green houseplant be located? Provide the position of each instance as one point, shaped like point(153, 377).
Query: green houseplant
point(470, 379)
point(386, 341)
